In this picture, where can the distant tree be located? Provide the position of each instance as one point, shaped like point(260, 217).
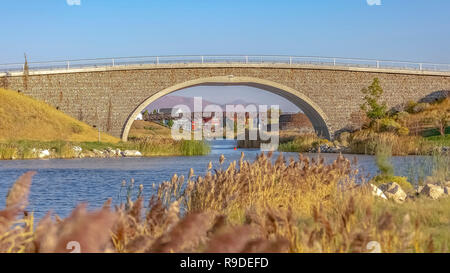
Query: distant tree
point(109, 117)
point(170, 123)
point(372, 106)
point(145, 115)
point(26, 73)
point(440, 119)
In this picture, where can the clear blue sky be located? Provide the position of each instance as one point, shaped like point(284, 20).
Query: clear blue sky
point(414, 30)
point(398, 29)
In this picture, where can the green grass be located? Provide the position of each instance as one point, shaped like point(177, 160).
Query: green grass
point(192, 147)
point(301, 143)
point(439, 140)
point(435, 132)
point(433, 216)
point(22, 149)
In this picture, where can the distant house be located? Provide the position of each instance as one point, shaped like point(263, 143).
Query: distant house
point(139, 117)
point(177, 111)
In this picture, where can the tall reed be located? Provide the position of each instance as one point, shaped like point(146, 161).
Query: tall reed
point(269, 205)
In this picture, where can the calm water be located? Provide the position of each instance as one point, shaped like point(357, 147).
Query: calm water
point(60, 185)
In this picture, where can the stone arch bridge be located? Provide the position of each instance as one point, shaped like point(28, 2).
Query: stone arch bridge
point(109, 93)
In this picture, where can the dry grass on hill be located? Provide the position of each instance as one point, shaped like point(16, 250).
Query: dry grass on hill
point(24, 118)
point(141, 128)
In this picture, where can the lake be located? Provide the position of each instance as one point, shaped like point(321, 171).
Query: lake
point(61, 184)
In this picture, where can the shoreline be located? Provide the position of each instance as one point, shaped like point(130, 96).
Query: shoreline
point(181, 155)
point(24, 150)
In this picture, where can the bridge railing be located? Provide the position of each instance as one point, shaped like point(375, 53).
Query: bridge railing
point(228, 59)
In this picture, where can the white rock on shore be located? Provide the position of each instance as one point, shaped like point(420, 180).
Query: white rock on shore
point(393, 191)
point(447, 190)
point(43, 153)
point(131, 153)
point(77, 150)
point(377, 192)
point(432, 191)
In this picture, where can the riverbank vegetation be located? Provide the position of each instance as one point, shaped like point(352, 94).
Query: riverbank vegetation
point(63, 149)
point(32, 129)
point(413, 128)
point(267, 205)
point(302, 143)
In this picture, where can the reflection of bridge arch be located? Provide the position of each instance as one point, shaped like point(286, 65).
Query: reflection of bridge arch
point(317, 117)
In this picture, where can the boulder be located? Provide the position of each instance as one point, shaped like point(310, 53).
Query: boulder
point(419, 189)
point(88, 154)
point(77, 150)
point(377, 192)
point(109, 152)
point(131, 153)
point(394, 192)
point(43, 153)
point(447, 190)
point(98, 153)
point(432, 191)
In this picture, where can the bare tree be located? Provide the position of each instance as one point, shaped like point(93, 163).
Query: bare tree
point(26, 73)
point(440, 119)
point(109, 117)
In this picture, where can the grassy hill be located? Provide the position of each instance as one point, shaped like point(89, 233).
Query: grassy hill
point(25, 118)
point(141, 128)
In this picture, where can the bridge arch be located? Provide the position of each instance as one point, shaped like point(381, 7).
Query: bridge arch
point(315, 114)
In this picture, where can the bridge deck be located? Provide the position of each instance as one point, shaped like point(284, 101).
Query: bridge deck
point(132, 63)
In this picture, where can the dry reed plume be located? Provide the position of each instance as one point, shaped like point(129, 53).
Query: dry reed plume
point(300, 205)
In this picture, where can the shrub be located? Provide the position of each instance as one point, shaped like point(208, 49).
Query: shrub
point(8, 151)
point(400, 180)
point(372, 105)
point(321, 141)
point(383, 155)
point(389, 125)
point(402, 117)
point(366, 142)
point(194, 147)
point(344, 138)
point(300, 144)
point(384, 164)
point(403, 131)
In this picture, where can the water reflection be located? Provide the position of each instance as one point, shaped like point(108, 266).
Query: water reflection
point(61, 184)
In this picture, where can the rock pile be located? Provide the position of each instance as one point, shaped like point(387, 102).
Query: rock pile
point(326, 148)
point(393, 191)
point(78, 152)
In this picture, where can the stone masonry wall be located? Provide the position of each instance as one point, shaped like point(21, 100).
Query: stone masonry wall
point(107, 98)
